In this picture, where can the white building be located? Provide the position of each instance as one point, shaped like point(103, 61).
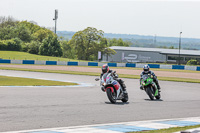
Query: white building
point(139, 54)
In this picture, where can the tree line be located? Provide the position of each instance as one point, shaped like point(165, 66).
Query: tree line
point(29, 37)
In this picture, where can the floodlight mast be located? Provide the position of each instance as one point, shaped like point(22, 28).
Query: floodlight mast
point(56, 17)
point(179, 58)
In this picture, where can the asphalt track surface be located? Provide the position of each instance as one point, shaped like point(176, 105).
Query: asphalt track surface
point(25, 108)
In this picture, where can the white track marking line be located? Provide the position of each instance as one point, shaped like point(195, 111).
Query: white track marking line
point(80, 83)
point(152, 125)
point(88, 128)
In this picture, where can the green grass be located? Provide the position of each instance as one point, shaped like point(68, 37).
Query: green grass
point(163, 78)
point(16, 81)
point(98, 74)
point(170, 130)
point(13, 55)
point(156, 69)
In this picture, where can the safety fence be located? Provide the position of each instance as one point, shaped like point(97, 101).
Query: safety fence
point(74, 63)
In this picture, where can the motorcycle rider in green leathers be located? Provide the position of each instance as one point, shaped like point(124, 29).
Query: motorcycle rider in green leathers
point(147, 71)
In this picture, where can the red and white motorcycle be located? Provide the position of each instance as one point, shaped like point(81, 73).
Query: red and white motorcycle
point(112, 88)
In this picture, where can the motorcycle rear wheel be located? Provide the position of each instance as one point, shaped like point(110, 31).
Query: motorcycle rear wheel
point(125, 99)
point(111, 96)
point(158, 96)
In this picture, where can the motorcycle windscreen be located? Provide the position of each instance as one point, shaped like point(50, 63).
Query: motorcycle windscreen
point(145, 77)
point(104, 76)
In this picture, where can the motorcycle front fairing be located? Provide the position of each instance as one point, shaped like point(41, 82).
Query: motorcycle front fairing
point(148, 80)
point(117, 87)
point(109, 82)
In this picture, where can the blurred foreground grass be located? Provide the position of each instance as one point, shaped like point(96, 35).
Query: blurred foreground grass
point(170, 130)
point(16, 81)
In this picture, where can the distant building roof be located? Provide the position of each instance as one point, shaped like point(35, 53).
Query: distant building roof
point(159, 50)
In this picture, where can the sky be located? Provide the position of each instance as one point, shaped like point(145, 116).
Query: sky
point(143, 17)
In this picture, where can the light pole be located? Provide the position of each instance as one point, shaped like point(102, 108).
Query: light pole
point(179, 62)
point(154, 42)
point(56, 17)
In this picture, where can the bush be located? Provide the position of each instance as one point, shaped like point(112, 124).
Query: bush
point(33, 47)
point(3, 45)
point(68, 51)
point(13, 44)
point(192, 62)
point(51, 47)
point(24, 47)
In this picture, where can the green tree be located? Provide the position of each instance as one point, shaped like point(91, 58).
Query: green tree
point(109, 52)
point(33, 27)
point(3, 45)
point(33, 47)
point(118, 42)
point(77, 43)
point(171, 47)
point(68, 51)
point(23, 32)
point(92, 38)
point(41, 34)
point(7, 21)
point(87, 43)
point(13, 44)
point(112, 42)
point(51, 47)
point(192, 62)
point(7, 32)
point(24, 47)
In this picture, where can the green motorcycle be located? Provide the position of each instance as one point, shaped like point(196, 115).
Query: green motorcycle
point(150, 86)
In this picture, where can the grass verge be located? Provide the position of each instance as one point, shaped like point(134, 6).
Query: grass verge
point(16, 81)
point(156, 69)
point(170, 130)
point(98, 74)
point(16, 55)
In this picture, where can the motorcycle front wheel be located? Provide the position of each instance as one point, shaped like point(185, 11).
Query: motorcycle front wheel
point(111, 96)
point(150, 93)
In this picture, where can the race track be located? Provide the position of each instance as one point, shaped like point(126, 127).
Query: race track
point(24, 108)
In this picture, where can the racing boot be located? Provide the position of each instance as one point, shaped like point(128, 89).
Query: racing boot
point(158, 86)
point(121, 82)
point(125, 92)
point(124, 88)
point(102, 88)
point(141, 87)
